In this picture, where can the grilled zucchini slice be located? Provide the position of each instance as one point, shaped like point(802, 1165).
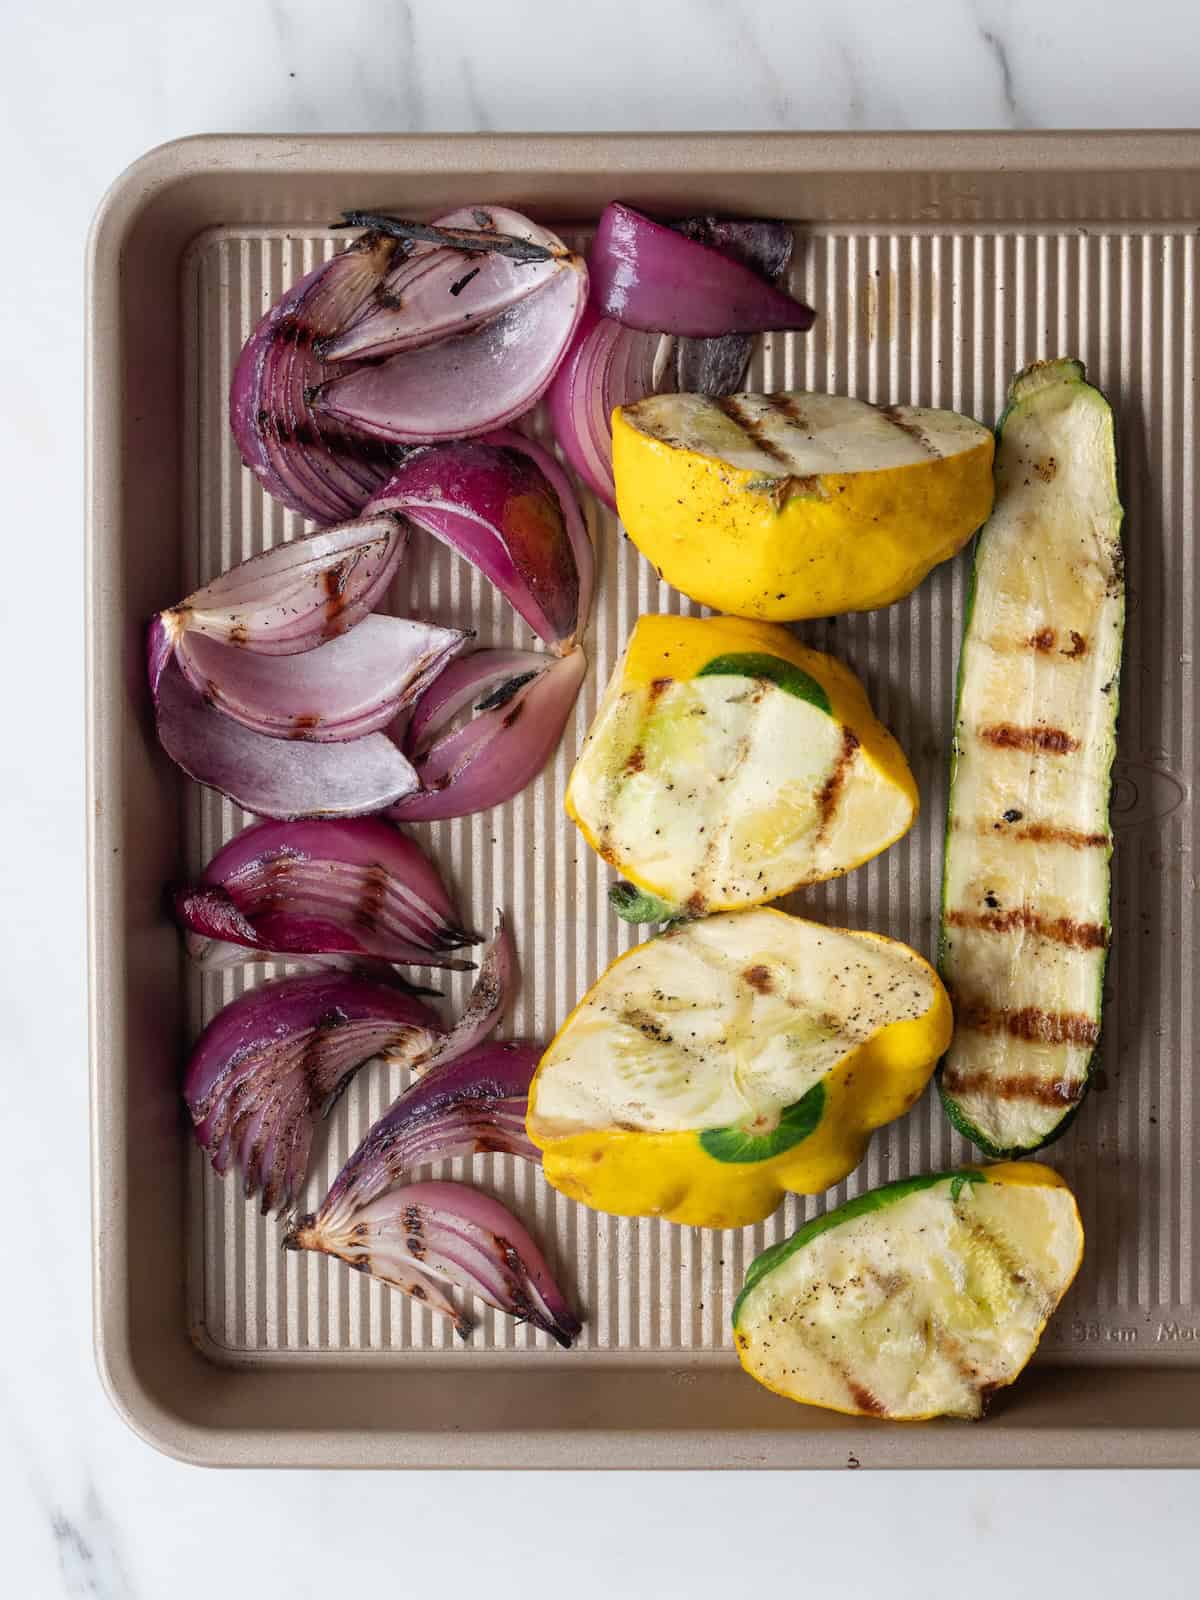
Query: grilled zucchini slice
point(1025, 919)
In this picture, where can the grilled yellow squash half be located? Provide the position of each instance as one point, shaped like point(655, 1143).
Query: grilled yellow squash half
point(730, 1060)
point(915, 1300)
point(791, 505)
point(727, 764)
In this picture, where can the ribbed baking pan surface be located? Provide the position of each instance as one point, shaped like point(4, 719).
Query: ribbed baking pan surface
point(931, 315)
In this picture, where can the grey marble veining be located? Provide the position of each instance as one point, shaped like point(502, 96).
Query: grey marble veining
point(88, 1553)
point(1017, 116)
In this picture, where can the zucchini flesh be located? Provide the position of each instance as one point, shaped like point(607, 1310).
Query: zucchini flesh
point(914, 1300)
point(1025, 894)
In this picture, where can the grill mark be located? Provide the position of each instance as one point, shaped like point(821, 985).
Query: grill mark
point(891, 1284)
point(636, 761)
point(1059, 930)
point(294, 330)
point(277, 1188)
point(1046, 639)
point(1030, 1023)
point(1010, 736)
point(645, 1023)
point(831, 790)
point(705, 873)
point(865, 1399)
point(1054, 1092)
point(784, 405)
point(371, 898)
point(504, 692)
point(1044, 833)
point(947, 1345)
point(752, 428)
point(604, 845)
point(1113, 589)
point(229, 1097)
point(862, 1396)
point(1047, 833)
point(704, 876)
point(305, 436)
point(334, 581)
point(912, 429)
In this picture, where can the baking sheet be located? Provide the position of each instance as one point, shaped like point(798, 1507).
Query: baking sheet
point(918, 311)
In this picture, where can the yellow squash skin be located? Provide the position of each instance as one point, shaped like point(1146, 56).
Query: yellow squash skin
point(671, 1175)
point(1010, 1174)
point(842, 542)
point(678, 648)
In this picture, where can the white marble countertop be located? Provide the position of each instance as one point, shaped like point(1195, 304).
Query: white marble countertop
point(85, 1508)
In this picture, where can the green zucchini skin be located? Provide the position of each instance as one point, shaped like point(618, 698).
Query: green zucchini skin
point(1023, 1092)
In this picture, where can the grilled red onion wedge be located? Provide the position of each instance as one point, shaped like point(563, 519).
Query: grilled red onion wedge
point(273, 1061)
point(312, 462)
point(652, 277)
point(473, 1104)
point(608, 365)
point(521, 702)
point(270, 777)
point(350, 686)
point(500, 362)
point(490, 999)
point(450, 278)
point(299, 594)
point(506, 506)
point(415, 1235)
point(717, 366)
point(354, 888)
